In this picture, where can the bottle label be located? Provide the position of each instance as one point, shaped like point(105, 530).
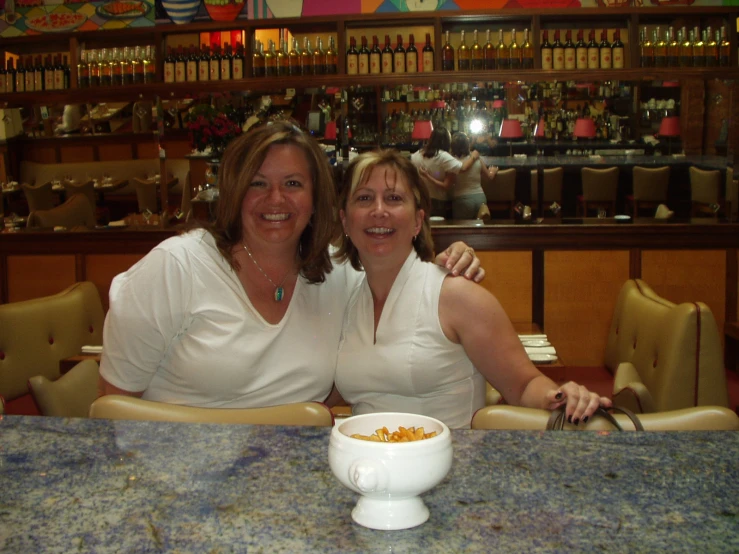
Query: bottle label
point(411, 62)
point(605, 58)
point(363, 64)
point(225, 70)
point(558, 58)
point(387, 63)
point(546, 58)
point(593, 58)
point(618, 58)
point(399, 63)
point(169, 72)
point(29, 81)
point(3, 85)
point(20, 83)
point(203, 71)
point(582, 58)
point(238, 69)
point(38, 81)
point(375, 63)
point(48, 81)
point(352, 64)
point(428, 62)
point(179, 72)
point(58, 79)
point(215, 70)
point(570, 62)
point(192, 71)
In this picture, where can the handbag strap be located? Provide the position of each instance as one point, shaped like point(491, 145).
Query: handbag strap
point(556, 421)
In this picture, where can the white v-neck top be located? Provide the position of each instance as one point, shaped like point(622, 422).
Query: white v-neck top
point(181, 328)
point(412, 367)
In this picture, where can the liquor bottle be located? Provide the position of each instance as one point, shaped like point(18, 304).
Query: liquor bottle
point(711, 48)
point(306, 58)
point(447, 54)
point(514, 52)
point(125, 66)
point(92, 62)
point(293, 59)
point(38, 75)
point(149, 63)
point(204, 63)
point(593, 52)
point(673, 48)
point(724, 49)
point(428, 55)
point(214, 66)
point(477, 62)
point(319, 57)
point(699, 50)
point(20, 77)
point(332, 59)
point(4, 77)
point(581, 52)
point(237, 66)
point(527, 52)
point(283, 63)
point(399, 56)
point(617, 50)
point(606, 62)
point(138, 67)
point(686, 48)
point(411, 56)
point(180, 66)
point(546, 51)
point(49, 75)
point(503, 60)
point(363, 58)
point(463, 53)
point(489, 53)
point(116, 77)
point(227, 61)
point(257, 60)
point(270, 61)
point(558, 52)
point(352, 57)
point(30, 76)
point(106, 69)
point(66, 73)
point(10, 77)
point(375, 57)
point(660, 49)
point(570, 53)
point(191, 68)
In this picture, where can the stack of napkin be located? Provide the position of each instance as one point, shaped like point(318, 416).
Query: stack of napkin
point(91, 349)
point(537, 349)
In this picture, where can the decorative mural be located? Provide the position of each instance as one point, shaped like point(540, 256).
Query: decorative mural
point(29, 17)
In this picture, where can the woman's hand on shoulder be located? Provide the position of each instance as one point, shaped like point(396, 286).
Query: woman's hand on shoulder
point(461, 259)
point(580, 402)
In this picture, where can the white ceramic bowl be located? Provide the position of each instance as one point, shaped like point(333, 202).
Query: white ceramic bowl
point(389, 476)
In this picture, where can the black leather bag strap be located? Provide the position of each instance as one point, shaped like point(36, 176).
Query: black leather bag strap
point(556, 420)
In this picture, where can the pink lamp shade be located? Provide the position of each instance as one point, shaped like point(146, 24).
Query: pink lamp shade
point(584, 128)
point(438, 104)
point(540, 127)
point(330, 132)
point(498, 104)
point(670, 127)
point(510, 129)
point(422, 130)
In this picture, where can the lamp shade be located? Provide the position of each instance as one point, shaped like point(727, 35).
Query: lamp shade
point(539, 131)
point(584, 128)
point(510, 129)
point(422, 130)
point(438, 104)
point(670, 127)
point(330, 132)
point(498, 104)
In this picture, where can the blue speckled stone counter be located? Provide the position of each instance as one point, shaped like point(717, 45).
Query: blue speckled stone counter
point(73, 485)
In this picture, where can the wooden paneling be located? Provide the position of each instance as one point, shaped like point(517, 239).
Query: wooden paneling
point(508, 277)
point(692, 103)
point(34, 276)
point(688, 276)
point(147, 150)
point(580, 291)
point(46, 155)
point(101, 268)
point(177, 148)
point(74, 154)
point(115, 152)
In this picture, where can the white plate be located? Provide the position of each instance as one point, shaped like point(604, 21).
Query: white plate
point(621, 217)
point(543, 358)
point(436, 218)
point(536, 343)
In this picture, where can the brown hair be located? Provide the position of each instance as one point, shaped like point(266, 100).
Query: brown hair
point(242, 159)
point(359, 172)
point(460, 145)
point(440, 139)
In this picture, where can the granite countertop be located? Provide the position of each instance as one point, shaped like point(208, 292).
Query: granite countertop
point(103, 486)
point(711, 162)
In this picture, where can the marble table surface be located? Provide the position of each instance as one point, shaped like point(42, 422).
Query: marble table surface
point(76, 485)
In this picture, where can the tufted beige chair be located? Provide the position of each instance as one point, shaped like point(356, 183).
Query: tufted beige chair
point(87, 189)
point(39, 197)
point(665, 356)
point(501, 191)
point(36, 334)
point(599, 190)
point(75, 212)
point(701, 418)
point(69, 396)
point(650, 188)
point(128, 407)
point(553, 178)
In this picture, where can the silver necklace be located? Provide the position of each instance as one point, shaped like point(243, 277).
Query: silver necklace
point(279, 290)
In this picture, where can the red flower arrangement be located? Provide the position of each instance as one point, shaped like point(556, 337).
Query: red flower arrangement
point(212, 129)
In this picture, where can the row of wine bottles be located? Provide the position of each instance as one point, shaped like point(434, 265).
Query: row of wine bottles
point(582, 55)
point(389, 60)
point(204, 64)
point(32, 75)
point(111, 67)
point(694, 48)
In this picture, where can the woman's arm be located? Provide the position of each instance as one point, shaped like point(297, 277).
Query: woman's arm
point(490, 172)
point(430, 178)
point(467, 163)
point(474, 318)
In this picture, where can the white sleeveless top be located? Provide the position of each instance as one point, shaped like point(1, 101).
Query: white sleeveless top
point(467, 183)
point(413, 367)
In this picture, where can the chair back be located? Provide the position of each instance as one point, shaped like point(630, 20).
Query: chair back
point(502, 188)
point(599, 185)
point(75, 212)
point(553, 178)
point(128, 407)
point(69, 396)
point(702, 418)
point(665, 356)
point(36, 334)
point(39, 197)
point(146, 195)
point(704, 185)
point(650, 183)
point(87, 189)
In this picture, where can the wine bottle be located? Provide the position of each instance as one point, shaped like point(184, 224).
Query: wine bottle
point(106, 69)
point(352, 57)
point(673, 48)
point(237, 65)
point(363, 58)
point(30, 76)
point(83, 72)
point(489, 53)
point(724, 48)
point(428, 55)
point(660, 49)
point(66, 72)
point(10, 76)
point(699, 49)
point(477, 62)
point(150, 67)
point(711, 48)
point(204, 63)
point(546, 51)
point(503, 60)
point(514, 52)
point(319, 58)
point(447, 54)
point(38, 74)
point(399, 56)
point(49, 74)
point(306, 58)
point(227, 63)
point(191, 68)
point(593, 52)
point(558, 52)
point(387, 56)
point(215, 63)
point(20, 77)
point(293, 59)
point(605, 51)
point(138, 68)
point(126, 71)
point(463, 53)
point(270, 61)
point(332, 58)
point(180, 66)
point(617, 50)
point(94, 64)
point(570, 53)
point(411, 55)
point(581, 52)
point(527, 52)
point(257, 60)
point(4, 77)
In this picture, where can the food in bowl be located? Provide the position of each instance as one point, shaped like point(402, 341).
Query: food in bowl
point(403, 434)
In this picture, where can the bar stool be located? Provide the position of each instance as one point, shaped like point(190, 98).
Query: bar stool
point(599, 190)
point(650, 188)
point(39, 197)
point(501, 191)
point(552, 189)
point(705, 192)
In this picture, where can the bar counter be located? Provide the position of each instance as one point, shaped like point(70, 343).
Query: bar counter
point(121, 486)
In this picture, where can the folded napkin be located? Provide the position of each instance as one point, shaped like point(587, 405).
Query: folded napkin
point(532, 337)
point(91, 349)
point(540, 350)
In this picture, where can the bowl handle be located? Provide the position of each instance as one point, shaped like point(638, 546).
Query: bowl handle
point(368, 476)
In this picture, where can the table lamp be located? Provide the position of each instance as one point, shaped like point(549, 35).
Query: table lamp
point(584, 128)
point(422, 130)
point(330, 132)
point(669, 127)
point(498, 104)
point(510, 129)
point(540, 127)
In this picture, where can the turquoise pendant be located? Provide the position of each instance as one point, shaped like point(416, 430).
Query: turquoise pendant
point(279, 294)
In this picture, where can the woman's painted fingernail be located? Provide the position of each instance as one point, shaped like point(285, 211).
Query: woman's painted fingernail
point(558, 396)
point(569, 419)
point(577, 421)
point(585, 419)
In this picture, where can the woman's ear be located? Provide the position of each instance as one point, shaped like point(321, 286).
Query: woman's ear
point(420, 216)
point(342, 217)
